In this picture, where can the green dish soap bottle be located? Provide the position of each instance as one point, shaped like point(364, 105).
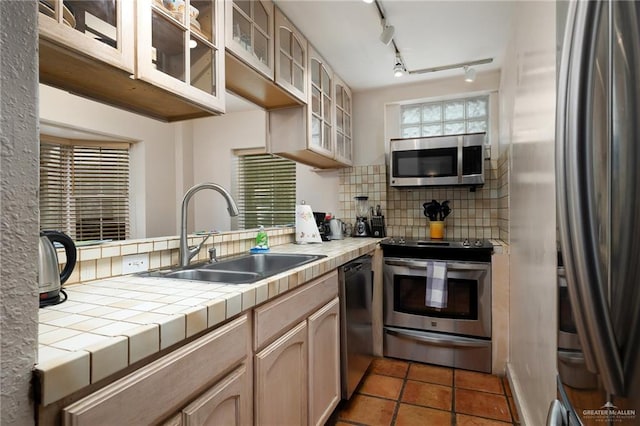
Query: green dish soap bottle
point(262, 239)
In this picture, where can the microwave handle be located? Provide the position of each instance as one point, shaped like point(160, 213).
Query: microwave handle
point(451, 266)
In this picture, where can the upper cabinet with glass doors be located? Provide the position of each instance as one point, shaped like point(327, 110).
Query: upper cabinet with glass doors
point(160, 58)
point(291, 57)
point(320, 111)
point(181, 48)
point(99, 29)
point(249, 33)
point(343, 120)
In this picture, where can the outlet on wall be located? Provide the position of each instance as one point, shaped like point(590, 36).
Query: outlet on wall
point(135, 263)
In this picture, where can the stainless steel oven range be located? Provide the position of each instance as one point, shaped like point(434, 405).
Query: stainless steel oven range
point(457, 334)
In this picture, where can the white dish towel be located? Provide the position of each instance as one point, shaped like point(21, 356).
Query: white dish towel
point(436, 292)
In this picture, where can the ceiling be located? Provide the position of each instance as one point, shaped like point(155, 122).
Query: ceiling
point(428, 34)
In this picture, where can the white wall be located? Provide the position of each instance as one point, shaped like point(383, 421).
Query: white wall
point(214, 139)
point(370, 128)
point(154, 159)
point(527, 98)
point(18, 209)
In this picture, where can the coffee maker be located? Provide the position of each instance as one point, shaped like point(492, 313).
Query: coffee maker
point(361, 227)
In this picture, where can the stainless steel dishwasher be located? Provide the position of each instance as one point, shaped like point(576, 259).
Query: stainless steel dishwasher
point(356, 338)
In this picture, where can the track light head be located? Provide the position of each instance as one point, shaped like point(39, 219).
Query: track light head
point(398, 69)
point(387, 34)
point(469, 74)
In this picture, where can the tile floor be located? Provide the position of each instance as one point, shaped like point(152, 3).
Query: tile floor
point(403, 393)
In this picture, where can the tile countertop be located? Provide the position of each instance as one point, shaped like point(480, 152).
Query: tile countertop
point(107, 325)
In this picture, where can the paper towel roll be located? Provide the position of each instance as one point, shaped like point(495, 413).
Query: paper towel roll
point(306, 227)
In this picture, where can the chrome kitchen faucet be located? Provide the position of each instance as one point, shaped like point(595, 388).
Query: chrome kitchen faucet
point(188, 252)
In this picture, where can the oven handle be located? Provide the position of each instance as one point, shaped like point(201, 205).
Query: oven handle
point(433, 339)
point(421, 264)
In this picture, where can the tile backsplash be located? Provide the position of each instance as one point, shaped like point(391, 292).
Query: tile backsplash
point(105, 260)
point(480, 214)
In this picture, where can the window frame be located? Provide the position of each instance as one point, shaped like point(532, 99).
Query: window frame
point(70, 218)
point(242, 221)
point(465, 99)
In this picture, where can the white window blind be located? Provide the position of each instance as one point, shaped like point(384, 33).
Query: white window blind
point(266, 190)
point(84, 189)
point(447, 117)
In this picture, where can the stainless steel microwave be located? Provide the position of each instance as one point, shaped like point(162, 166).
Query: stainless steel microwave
point(438, 160)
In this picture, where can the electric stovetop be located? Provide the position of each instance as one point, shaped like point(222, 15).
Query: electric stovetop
point(466, 250)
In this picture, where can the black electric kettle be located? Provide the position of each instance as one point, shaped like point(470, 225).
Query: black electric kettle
point(50, 277)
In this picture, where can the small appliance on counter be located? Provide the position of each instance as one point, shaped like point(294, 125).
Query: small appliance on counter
point(50, 279)
point(323, 225)
point(306, 227)
point(378, 229)
point(361, 228)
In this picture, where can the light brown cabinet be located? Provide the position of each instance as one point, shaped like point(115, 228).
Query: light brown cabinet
point(281, 380)
point(297, 367)
point(291, 57)
point(105, 50)
point(318, 134)
point(188, 386)
point(182, 50)
point(227, 403)
point(343, 119)
point(324, 363)
point(249, 33)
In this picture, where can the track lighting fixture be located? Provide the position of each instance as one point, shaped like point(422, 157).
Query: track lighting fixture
point(387, 32)
point(469, 74)
point(398, 69)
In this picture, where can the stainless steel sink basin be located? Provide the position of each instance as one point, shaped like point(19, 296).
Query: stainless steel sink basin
point(232, 277)
point(239, 270)
point(265, 264)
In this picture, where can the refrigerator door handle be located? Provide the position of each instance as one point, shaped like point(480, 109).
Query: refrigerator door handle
point(586, 277)
point(557, 415)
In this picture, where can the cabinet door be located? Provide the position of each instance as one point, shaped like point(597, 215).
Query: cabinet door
point(99, 29)
point(181, 49)
point(324, 363)
point(227, 403)
point(249, 33)
point(291, 57)
point(281, 380)
point(344, 139)
point(320, 106)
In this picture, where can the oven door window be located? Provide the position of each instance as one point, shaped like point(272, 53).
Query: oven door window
point(439, 162)
point(462, 298)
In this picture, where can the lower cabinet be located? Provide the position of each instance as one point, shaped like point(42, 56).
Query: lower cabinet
point(324, 363)
point(188, 386)
point(226, 403)
point(297, 375)
point(281, 380)
point(285, 370)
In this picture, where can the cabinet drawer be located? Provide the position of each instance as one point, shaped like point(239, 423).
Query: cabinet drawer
point(275, 318)
point(167, 384)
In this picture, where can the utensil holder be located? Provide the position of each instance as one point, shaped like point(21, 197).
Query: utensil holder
point(436, 229)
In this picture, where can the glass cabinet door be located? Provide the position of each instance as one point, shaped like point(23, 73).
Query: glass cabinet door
point(321, 109)
point(249, 33)
point(102, 29)
point(180, 48)
point(291, 57)
point(344, 140)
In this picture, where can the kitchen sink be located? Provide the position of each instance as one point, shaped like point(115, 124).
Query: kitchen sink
point(238, 270)
point(265, 264)
point(231, 277)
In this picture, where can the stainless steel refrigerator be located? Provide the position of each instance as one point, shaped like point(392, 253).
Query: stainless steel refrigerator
point(598, 190)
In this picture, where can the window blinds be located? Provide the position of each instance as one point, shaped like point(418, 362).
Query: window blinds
point(84, 190)
point(266, 190)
